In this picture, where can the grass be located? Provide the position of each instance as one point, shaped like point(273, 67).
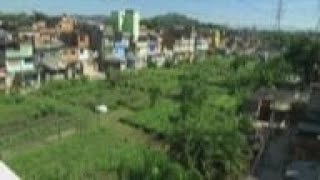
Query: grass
point(111, 151)
point(101, 154)
point(99, 146)
point(33, 118)
point(156, 118)
point(59, 105)
point(106, 150)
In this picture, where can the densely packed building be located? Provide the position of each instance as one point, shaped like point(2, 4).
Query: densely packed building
point(67, 48)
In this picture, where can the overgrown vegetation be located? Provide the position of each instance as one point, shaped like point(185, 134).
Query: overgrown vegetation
point(96, 155)
point(202, 124)
point(195, 108)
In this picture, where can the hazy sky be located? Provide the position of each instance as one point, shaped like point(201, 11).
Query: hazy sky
point(300, 14)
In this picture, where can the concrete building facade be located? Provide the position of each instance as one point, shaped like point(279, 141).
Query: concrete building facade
point(127, 21)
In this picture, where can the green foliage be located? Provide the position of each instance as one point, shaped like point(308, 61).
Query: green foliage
point(154, 168)
point(154, 94)
point(169, 20)
point(13, 22)
point(102, 158)
point(156, 118)
point(303, 54)
point(134, 100)
point(215, 153)
point(195, 108)
point(164, 79)
point(202, 124)
point(210, 99)
point(207, 136)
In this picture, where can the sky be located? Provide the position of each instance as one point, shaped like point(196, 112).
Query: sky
point(297, 14)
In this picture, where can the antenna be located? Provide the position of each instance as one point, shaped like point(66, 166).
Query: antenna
point(279, 14)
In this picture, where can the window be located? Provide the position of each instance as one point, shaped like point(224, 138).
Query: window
point(81, 50)
point(28, 60)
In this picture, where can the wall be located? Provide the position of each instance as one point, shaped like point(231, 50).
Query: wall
point(202, 44)
point(127, 21)
point(184, 45)
point(19, 65)
point(20, 59)
point(23, 51)
point(131, 23)
point(142, 49)
point(119, 49)
point(39, 25)
point(107, 46)
point(84, 54)
point(45, 36)
point(154, 47)
point(51, 59)
point(117, 18)
point(69, 55)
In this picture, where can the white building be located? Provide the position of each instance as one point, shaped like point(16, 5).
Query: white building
point(184, 45)
point(202, 44)
point(142, 50)
point(84, 54)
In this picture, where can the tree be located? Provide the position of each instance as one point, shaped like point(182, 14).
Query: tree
point(206, 138)
point(169, 20)
point(39, 16)
point(303, 55)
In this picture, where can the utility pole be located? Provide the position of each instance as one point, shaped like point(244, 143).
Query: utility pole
point(279, 14)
